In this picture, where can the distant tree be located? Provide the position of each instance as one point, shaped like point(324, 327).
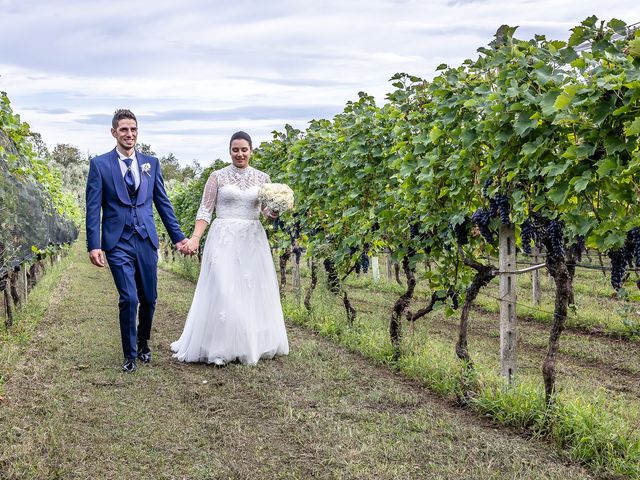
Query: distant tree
point(146, 149)
point(39, 147)
point(67, 155)
point(73, 167)
point(192, 170)
point(171, 169)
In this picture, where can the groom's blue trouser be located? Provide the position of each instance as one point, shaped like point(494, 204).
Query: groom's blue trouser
point(134, 266)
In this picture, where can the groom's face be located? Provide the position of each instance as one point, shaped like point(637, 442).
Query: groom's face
point(126, 134)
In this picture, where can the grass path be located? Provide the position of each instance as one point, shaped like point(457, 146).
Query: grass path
point(322, 412)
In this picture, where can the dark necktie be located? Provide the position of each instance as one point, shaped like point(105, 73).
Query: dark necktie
point(129, 181)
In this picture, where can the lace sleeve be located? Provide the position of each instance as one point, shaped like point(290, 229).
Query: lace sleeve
point(208, 199)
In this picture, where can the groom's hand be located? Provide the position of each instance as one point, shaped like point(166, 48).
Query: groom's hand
point(97, 257)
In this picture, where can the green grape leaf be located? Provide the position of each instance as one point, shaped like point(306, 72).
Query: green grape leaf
point(585, 150)
point(582, 182)
point(525, 123)
point(547, 102)
point(618, 26)
point(580, 35)
point(606, 166)
point(613, 144)
point(632, 128)
point(558, 194)
point(590, 21)
point(435, 134)
point(633, 47)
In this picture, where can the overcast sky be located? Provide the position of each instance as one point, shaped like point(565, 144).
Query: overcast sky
point(195, 71)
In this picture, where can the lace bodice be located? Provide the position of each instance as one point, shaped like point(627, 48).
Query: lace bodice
point(233, 192)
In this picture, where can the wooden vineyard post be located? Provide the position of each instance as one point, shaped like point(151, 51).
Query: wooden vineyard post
point(535, 279)
point(375, 269)
point(389, 272)
point(7, 302)
point(25, 283)
point(507, 302)
point(297, 284)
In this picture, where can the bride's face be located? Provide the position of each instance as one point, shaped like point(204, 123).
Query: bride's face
point(240, 152)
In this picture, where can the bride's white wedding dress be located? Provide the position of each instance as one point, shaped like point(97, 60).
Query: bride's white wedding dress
point(236, 312)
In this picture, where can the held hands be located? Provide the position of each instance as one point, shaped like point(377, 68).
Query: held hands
point(180, 246)
point(188, 246)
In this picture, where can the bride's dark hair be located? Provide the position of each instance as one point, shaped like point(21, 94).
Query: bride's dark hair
point(241, 136)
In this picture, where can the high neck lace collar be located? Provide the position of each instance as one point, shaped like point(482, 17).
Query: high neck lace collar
point(240, 171)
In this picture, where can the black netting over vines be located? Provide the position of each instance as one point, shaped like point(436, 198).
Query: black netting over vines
point(27, 219)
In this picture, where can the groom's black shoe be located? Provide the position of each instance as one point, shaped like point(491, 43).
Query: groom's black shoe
point(144, 353)
point(129, 365)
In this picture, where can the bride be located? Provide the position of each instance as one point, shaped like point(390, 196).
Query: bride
point(236, 313)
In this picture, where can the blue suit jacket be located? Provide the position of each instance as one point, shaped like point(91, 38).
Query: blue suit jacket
point(106, 191)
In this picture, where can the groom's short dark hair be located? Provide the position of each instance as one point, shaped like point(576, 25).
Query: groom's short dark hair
point(121, 114)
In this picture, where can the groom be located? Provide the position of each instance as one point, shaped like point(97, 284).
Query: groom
point(124, 184)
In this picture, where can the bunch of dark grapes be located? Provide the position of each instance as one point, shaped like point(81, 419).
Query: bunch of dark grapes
point(277, 224)
point(481, 218)
point(628, 252)
point(461, 232)
point(493, 208)
point(618, 267)
point(633, 239)
point(363, 263)
point(528, 234)
point(294, 231)
point(577, 247)
point(556, 238)
point(498, 204)
point(414, 230)
point(297, 251)
point(332, 276)
point(420, 239)
point(503, 207)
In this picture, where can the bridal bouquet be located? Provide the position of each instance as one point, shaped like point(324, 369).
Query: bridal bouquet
point(277, 197)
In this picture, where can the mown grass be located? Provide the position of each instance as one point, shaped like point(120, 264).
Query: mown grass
point(15, 339)
point(321, 412)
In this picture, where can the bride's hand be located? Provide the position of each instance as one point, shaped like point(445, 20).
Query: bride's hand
point(273, 214)
point(192, 245)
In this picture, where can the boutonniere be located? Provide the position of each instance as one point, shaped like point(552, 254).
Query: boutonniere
point(145, 167)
